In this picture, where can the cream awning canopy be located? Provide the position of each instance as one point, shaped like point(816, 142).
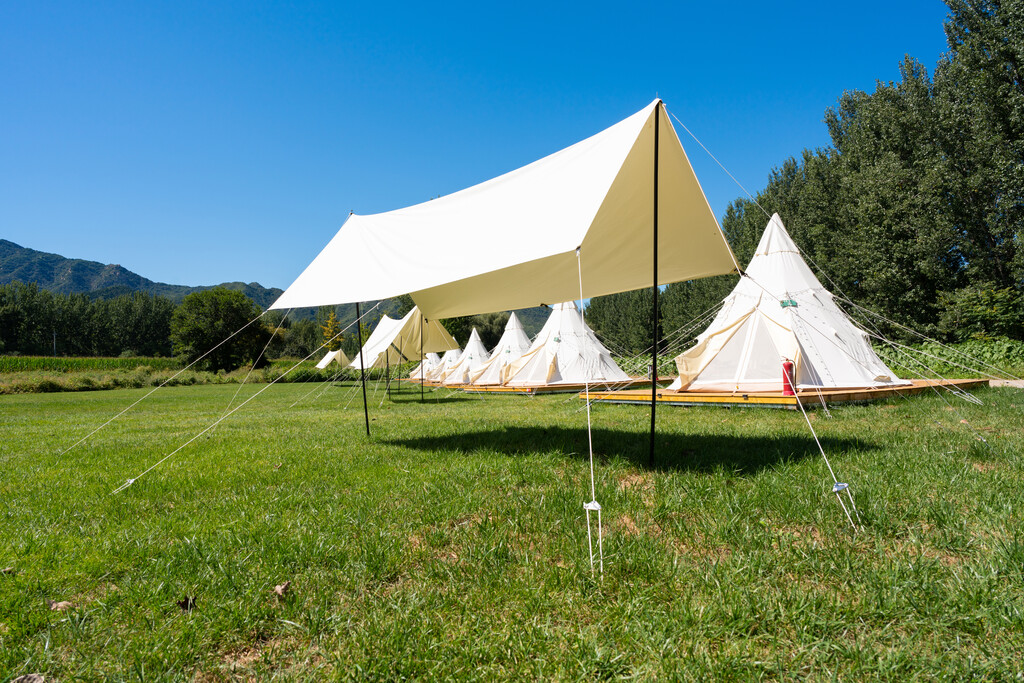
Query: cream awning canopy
point(510, 242)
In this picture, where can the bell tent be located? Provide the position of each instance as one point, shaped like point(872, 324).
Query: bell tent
point(566, 351)
point(589, 208)
point(510, 348)
point(473, 356)
point(777, 311)
point(430, 361)
point(448, 361)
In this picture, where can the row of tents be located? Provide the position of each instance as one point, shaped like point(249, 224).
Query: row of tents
point(778, 311)
point(565, 352)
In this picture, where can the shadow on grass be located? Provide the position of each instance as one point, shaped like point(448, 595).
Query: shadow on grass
point(429, 399)
point(683, 452)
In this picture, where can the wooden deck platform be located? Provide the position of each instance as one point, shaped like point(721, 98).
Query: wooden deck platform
point(809, 397)
point(634, 384)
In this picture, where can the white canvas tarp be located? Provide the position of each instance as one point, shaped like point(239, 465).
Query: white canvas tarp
point(566, 351)
point(597, 195)
point(780, 311)
point(395, 341)
point(333, 356)
point(510, 348)
point(473, 356)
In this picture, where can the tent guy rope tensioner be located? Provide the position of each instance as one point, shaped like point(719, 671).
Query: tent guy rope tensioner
point(593, 505)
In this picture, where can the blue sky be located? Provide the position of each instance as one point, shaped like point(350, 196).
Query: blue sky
point(202, 142)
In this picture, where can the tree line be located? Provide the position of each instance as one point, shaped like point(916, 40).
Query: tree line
point(916, 209)
point(34, 321)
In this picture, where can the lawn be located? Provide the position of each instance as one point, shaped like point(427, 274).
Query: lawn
point(452, 544)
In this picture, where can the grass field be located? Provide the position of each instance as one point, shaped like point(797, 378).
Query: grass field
point(452, 544)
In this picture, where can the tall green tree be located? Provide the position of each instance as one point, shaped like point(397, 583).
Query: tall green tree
point(330, 332)
point(979, 92)
point(205, 319)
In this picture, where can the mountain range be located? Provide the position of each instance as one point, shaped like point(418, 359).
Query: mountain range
point(63, 275)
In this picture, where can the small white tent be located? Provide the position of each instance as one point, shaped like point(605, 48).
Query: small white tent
point(396, 341)
point(510, 348)
point(780, 311)
point(448, 361)
point(473, 356)
point(430, 362)
point(565, 351)
point(335, 356)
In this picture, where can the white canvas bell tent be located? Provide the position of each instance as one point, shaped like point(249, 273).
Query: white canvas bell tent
point(396, 341)
point(510, 348)
point(338, 357)
point(565, 351)
point(780, 311)
point(597, 195)
point(429, 363)
point(473, 356)
point(448, 361)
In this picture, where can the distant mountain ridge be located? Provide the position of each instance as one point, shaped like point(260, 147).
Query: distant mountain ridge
point(64, 275)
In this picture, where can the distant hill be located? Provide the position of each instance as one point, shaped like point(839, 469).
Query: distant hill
point(63, 275)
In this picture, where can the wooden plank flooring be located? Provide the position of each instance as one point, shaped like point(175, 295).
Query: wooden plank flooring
point(810, 398)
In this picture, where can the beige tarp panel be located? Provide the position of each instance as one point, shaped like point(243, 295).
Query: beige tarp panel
point(597, 194)
point(396, 341)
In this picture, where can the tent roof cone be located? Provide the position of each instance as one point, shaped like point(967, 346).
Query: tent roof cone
point(430, 362)
point(448, 361)
point(780, 311)
point(565, 351)
point(510, 348)
point(395, 341)
point(595, 195)
point(473, 356)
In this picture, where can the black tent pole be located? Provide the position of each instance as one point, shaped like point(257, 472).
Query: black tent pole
point(422, 359)
point(362, 367)
point(654, 322)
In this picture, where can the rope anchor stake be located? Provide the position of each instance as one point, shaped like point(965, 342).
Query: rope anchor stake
point(594, 506)
point(837, 489)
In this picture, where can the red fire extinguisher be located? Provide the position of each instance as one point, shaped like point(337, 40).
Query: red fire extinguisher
point(787, 377)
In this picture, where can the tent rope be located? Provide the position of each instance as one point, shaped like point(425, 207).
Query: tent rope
point(593, 505)
point(836, 485)
point(322, 386)
point(740, 185)
point(258, 358)
point(160, 386)
point(131, 481)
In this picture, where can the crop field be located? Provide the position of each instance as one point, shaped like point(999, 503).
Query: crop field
point(452, 544)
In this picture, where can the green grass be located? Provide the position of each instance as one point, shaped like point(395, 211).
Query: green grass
point(452, 544)
point(81, 363)
point(91, 374)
